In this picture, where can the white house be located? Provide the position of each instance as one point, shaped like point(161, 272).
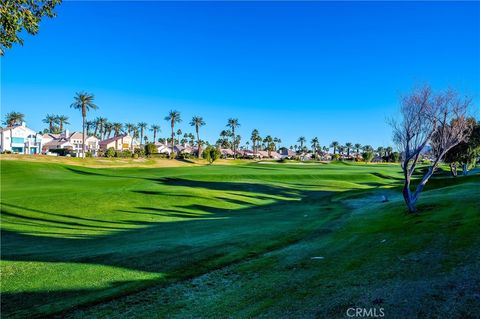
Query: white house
point(20, 139)
point(71, 141)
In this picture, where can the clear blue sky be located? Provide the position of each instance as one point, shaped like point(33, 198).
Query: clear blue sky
point(334, 70)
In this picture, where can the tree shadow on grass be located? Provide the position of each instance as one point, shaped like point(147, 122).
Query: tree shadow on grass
point(204, 238)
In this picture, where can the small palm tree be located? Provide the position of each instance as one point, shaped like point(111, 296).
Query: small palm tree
point(348, 146)
point(62, 120)
point(334, 145)
point(301, 140)
point(268, 140)
point(51, 120)
point(254, 138)
point(84, 101)
point(173, 117)
point(358, 146)
point(233, 124)
point(315, 145)
point(155, 128)
point(197, 122)
point(142, 126)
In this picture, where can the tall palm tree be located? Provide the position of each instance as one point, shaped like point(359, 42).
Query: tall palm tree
point(233, 124)
point(100, 124)
point(358, 146)
point(117, 127)
point(62, 120)
point(348, 146)
point(51, 120)
point(315, 145)
point(301, 140)
point(268, 140)
point(130, 127)
point(142, 126)
point(197, 122)
point(155, 128)
point(89, 125)
point(84, 101)
point(108, 128)
point(179, 133)
point(334, 145)
point(173, 117)
point(254, 138)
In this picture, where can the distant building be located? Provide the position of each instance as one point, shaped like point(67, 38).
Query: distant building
point(20, 139)
point(119, 143)
point(71, 141)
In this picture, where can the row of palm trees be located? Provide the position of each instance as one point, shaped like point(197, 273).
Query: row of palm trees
point(55, 122)
point(102, 128)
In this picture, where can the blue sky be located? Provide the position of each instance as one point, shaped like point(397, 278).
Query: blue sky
point(334, 70)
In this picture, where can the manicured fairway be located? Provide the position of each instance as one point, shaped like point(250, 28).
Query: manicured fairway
point(234, 240)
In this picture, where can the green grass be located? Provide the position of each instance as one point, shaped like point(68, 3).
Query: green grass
point(221, 240)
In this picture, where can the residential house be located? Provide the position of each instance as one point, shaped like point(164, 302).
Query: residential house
point(71, 141)
point(20, 139)
point(119, 143)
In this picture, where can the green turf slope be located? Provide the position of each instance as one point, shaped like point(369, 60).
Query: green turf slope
point(219, 241)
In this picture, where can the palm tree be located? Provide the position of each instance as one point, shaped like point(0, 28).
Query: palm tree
point(142, 126)
point(173, 117)
point(358, 146)
point(155, 128)
point(233, 124)
point(334, 145)
point(268, 140)
point(12, 119)
point(130, 127)
point(254, 138)
point(51, 120)
point(179, 133)
point(197, 122)
point(62, 120)
point(84, 101)
point(117, 127)
point(108, 130)
point(315, 145)
point(89, 125)
point(348, 146)
point(301, 140)
point(100, 124)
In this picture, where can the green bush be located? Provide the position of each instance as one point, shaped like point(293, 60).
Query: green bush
point(367, 156)
point(211, 154)
point(61, 151)
point(135, 155)
point(126, 153)
point(173, 155)
point(336, 157)
point(395, 157)
point(150, 149)
point(88, 154)
point(140, 152)
point(110, 152)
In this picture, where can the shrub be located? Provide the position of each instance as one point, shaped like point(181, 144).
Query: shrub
point(140, 152)
point(283, 160)
point(61, 151)
point(126, 153)
point(110, 152)
point(88, 154)
point(134, 155)
point(367, 156)
point(336, 157)
point(395, 157)
point(211, 154)
point(172, 155)
point(150, 149)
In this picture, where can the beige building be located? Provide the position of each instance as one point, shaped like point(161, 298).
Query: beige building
point(119, 143)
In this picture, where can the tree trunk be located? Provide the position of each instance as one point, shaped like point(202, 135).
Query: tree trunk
point(198, 144)
point(464, 169)
point(83, 140)
point(453, 169)
point(173, 140)
point(234, 144)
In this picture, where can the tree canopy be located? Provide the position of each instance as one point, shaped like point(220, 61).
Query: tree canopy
point(22, 15)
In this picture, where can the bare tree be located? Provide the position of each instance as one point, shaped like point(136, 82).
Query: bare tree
point(427, 118)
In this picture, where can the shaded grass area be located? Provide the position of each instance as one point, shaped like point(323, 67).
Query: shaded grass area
point(211, 239)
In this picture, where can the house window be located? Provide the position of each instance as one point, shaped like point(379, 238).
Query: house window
point(19, 140)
